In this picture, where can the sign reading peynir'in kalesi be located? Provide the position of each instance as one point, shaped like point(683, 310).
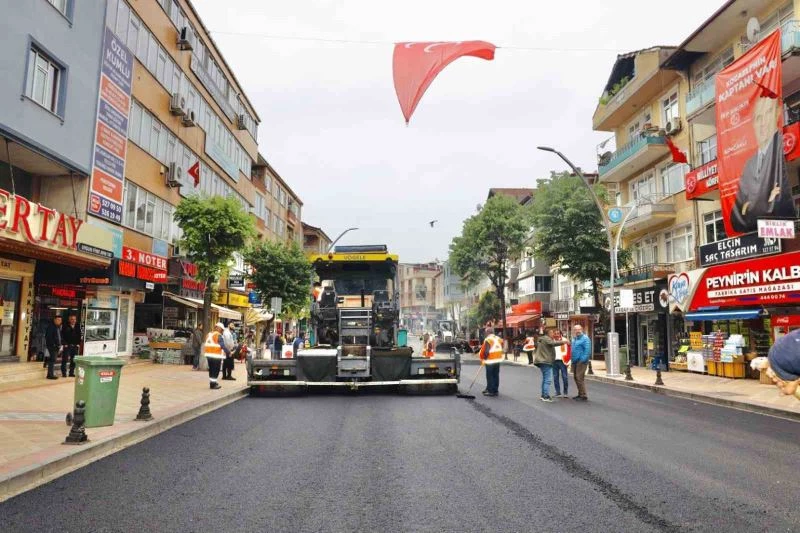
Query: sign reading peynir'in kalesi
point(752, 169)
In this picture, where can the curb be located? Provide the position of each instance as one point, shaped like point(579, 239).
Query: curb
point(703, 398)
point(31, 477)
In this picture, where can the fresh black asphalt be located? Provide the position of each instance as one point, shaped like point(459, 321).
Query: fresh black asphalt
point(627, 460)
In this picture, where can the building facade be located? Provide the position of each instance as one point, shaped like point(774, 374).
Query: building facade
point(418, 287)
point(315, 241)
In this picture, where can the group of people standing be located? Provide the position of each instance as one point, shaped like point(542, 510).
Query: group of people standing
point(62, 340)
point(545, 353)
point(220, 349)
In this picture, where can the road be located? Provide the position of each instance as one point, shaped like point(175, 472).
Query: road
point(627, 460)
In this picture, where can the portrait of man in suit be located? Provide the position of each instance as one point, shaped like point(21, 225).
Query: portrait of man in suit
point(764, 190)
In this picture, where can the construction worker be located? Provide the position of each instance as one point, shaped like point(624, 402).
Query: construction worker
point(213, 350)
point(427, 351)
point(529, 346)
point(316, 292)
point(491, 355)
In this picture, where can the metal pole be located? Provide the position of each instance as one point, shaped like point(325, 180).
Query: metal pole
point(339, 237)
point(612, 365)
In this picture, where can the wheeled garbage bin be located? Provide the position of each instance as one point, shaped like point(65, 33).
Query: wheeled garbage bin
point(97, 384)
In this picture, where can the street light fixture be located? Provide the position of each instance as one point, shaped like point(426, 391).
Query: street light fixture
point(339, 237)
point(612, 366)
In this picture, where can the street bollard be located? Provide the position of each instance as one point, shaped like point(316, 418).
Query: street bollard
point(77, 433)
point(144, 410)
point(590, 372)
point(659, 381)
point(628, 375)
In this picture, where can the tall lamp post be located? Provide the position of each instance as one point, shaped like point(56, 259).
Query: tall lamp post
point(612, 365)
point(342, 234)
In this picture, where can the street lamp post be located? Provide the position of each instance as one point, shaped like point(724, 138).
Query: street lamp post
point(339, 237)
point(612, 365)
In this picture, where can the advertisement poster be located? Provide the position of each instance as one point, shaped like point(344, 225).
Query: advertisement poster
point(111, 132)
point(752, 170)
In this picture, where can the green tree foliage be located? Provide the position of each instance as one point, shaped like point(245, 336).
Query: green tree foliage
point(213, 228)
point(487, 310)
point(281, 270)
point(489, 242)
point(569, 232)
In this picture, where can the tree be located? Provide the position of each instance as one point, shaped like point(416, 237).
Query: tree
point(488, 309)
point(489, 242)
point(281, 270)
point(213, 229)
point(569, 231)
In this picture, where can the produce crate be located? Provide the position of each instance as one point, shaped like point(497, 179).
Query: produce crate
point(168, 357)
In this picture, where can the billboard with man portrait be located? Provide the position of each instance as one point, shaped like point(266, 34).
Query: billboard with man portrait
point(753, 182)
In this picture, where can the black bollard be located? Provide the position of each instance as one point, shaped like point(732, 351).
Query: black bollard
point(659, 381)
point(590, 372)
point(628, 375)
point(77, 433)
point(144, 410)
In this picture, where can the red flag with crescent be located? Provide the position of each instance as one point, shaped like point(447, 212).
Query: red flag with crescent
point(415, 65)
point(194, 172)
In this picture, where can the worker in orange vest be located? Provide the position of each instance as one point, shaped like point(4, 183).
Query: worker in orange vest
point(316, 292)
point(529, 346)
point(213, 350)
point(491, 355)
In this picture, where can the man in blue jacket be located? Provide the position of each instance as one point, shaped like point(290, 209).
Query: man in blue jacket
point(581, 352)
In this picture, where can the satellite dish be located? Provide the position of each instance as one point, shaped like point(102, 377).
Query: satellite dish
point(753, 29)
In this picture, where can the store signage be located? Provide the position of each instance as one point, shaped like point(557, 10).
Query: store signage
point(144, 258)
point(94, 250)
point(65, 292)
point(773, 280)
point(149, 285)
point(702, 180)
point(94, 280)
point(111, 129)
point(527, 308)
point(233, 299)
point(37, 224)
point(110, 233)
point(737, 248)
point(217, 153)
point(144, 273)
point(216, 93)
point(193, 285)
point(644, 300)
point(776, 229)
point(236, 281)
point(254, 298)
point(561, 316)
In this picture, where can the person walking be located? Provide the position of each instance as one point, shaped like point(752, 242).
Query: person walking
point(528, 346)
point(298, 344)
point(491, 355)
point(560, 367)
point(278, 346)
point(71, 337)
point(545, 357)
point(581, 353)
point(52, 338)
point(213, 350)
point(229, 345)
point(195, 343)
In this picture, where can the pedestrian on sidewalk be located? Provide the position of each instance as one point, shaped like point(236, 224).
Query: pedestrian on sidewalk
point(491, 354)
point(784, 364)
point(195, 343)
point(529, 346)
point(213, 350)
point(299, 342)
point(54, 345)
point(71, 337)
point(229, 345)
point(581, 353)
point(278, 346)
point(560, 372)
point(544, 359)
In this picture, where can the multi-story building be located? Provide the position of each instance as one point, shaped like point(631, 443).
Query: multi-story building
point(418, 295)
point(315, 241)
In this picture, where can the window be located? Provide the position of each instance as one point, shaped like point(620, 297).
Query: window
point(643, 188)
point(645, 252)
point(134, 25)
point(146, 212)
point(672, 178)
point(260, 206)
point(43, 80)
point(161, 65)
point(669, 105)
point(135, 122)
point(777, 18)
point(565, 290)
point(711, 68)
point(121, 28)
point(679, 244)
point(707, 150)
point(542, 283)
point(152, 53)
point(714, 227)
point(61, 5)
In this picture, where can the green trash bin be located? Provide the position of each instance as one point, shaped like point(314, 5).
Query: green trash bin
point(97, 384)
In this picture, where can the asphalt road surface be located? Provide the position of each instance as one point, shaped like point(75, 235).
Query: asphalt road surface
point(627, 460)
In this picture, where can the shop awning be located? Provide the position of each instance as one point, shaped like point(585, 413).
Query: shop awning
point(222, 312)
point(515, 320)
point(738, 314)
point(254, 316)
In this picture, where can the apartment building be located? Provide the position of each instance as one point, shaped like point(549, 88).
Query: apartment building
point(315, 240)
point(418, 287)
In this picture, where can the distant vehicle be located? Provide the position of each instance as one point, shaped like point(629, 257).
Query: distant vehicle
point(445, 331)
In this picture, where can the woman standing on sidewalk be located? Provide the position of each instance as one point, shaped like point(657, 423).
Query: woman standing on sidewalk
point(545, 357)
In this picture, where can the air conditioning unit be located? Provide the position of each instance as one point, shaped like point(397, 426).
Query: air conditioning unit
point(186, 38)
point(174, 176)
point(188, 118)
point(673, 126)
point(177, 104)
point(241, 122)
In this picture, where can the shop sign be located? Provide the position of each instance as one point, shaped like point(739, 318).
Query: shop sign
point(233, 299)
point(170, 312)
point(94, 250)
point(527, 308)
point(144, 258)
point(193, 285)
point(645, 300)
point(561, 316)
point(216, 93)
point(254, 298)
point(95, 280)
point(702, 180)
point(20, 268)
point(64, 292)
point(149, 285)
point(113, 232)
point(737, 248)
point(144, 273)
point(773, 280)
point(236, 281)
point(217, 153)
point(776, 229)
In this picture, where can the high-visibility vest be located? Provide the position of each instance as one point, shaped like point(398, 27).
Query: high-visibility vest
point(563, 353)
point(530, 345)
point(495, 350)
point(316, 293)
point(428, 351)
point(211, 348)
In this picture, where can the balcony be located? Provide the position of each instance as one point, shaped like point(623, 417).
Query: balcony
point(701, 96)
point(563, 306)
point(650, 271)
point(633, 157)
point(657, 210)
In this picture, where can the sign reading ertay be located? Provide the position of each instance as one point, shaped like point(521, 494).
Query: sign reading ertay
point(37, 224)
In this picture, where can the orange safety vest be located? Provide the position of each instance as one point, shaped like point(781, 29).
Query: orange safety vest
point(428, 351)
point(316, 293)
point(563, 353)
point(530, 345)
point(495, 351)
point(211, 348)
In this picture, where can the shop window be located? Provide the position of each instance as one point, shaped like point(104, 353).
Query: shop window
point(679, 244)
point(714, 227)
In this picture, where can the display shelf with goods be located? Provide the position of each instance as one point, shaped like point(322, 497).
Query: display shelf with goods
point(165, 345)
point(681, 360)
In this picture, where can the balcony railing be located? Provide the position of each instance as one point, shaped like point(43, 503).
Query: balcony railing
point(790, 37)
point(562, 306)
point(629, 150)
point(643, 273)
point(701, 95)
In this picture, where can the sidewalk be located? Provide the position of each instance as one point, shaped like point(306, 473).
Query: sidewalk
point(32, 417)
point(744, 394)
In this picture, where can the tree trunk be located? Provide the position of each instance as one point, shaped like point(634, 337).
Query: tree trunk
point(596, 292)
point(207, 307)
point(501, 293)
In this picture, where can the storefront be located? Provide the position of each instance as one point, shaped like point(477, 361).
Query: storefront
point(646, 329)
point(735, 305)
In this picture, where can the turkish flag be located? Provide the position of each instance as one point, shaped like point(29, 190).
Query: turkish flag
point(677, 155)
point(194, 172)
point(415, 65)
point(791, 136)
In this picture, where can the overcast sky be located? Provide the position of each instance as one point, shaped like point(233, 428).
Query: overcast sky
point(332, 127)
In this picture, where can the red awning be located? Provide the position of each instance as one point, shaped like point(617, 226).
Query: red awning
point(519, 319)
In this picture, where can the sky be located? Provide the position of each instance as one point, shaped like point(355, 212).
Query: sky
point(331, 125)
